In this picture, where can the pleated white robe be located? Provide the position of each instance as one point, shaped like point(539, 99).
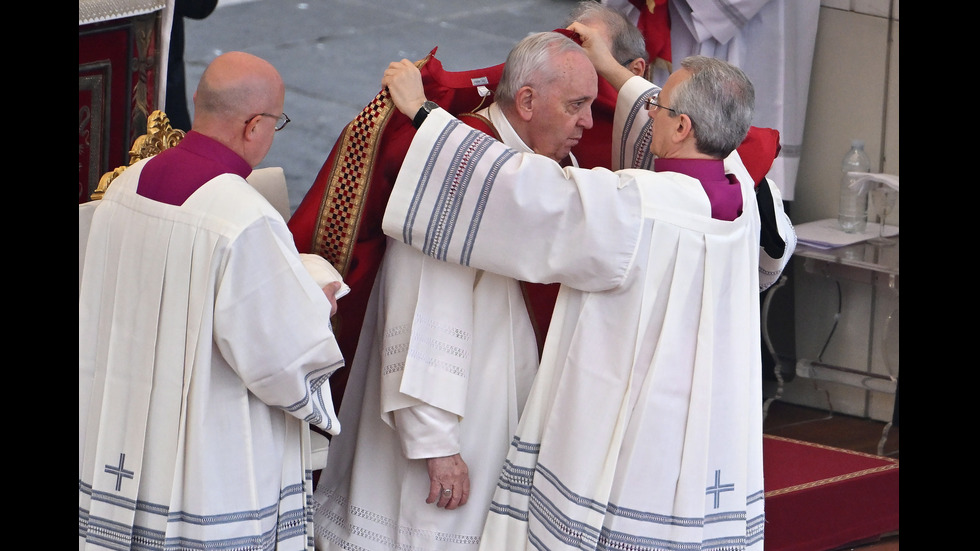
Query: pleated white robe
point(643, 429)
point(195, 399)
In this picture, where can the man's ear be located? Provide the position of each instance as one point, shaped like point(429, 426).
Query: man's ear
point(525, 102)
point(250, 128)
point(638, 67)
point(683, 128)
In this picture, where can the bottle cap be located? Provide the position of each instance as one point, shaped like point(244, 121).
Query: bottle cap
point(857, 143)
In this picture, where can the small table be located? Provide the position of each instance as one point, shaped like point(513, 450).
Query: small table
point(879, 260)
point(863, 262)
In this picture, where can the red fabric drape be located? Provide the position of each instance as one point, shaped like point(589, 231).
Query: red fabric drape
point(655, 27)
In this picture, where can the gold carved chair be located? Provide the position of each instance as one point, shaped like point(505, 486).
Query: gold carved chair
point(159, 136)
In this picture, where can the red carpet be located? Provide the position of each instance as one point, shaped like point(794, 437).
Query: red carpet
point(820, 498)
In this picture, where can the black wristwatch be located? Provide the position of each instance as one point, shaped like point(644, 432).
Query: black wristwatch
point(424, 111)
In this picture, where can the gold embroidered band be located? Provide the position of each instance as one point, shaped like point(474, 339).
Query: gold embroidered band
point(350, 178)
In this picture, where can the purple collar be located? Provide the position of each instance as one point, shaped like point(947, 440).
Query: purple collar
point(722, 189)
point(176, 173)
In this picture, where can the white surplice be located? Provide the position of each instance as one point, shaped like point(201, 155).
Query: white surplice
point(643, 429)
point(204, 351)
point(444, 364)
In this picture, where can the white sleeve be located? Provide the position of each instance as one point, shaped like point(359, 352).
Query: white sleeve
point(631, 125)
point(465, 198)
point(285, 360)
point(427, 431)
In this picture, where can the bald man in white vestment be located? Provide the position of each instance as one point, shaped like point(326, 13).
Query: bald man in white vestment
point(643, 429)
point(204, 345)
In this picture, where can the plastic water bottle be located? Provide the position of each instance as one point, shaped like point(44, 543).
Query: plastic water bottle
point(853, 212)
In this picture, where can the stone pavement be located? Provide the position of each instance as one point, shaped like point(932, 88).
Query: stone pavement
point(332, 53)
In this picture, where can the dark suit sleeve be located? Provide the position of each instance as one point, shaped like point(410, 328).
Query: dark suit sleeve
point(771, 241)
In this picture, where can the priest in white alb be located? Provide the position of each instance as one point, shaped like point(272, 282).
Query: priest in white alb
point(204, 345)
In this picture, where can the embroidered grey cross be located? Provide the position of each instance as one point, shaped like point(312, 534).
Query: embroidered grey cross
point(119, 471)
point(718, 488)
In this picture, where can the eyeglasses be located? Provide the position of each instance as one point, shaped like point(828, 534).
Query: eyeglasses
point(652, 105)
point(281, 120)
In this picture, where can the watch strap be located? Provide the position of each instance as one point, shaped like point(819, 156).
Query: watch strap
point(423, 112)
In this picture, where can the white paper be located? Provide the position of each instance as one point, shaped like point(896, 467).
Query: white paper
point(323, 272)
point(826, 234)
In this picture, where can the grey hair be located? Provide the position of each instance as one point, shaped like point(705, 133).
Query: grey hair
point(234, 97)
point(627, 40)
point(224, 101)
point(530, 63)
point(720, 100)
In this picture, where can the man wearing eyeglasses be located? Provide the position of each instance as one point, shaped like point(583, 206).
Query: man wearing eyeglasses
point(643, 429)
point(758, 151)
point(204, 345)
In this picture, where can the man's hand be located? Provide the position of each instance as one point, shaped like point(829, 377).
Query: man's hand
point(597, 49)
point(330, 289)
point(404, 81)
point(448, 473)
